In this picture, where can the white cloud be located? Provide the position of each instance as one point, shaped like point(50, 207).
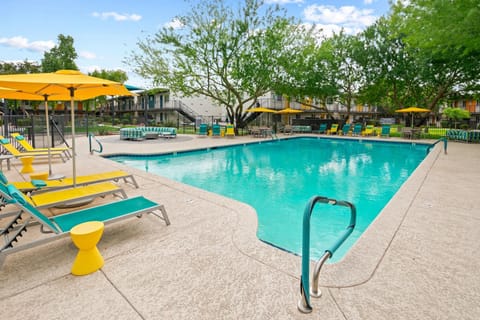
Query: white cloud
point(175, 24)
point(368, 1)
point(87, 55)
point(117, 16)
point(352, 19)
point(23, 43)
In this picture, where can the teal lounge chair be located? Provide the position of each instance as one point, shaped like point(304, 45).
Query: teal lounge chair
point(216, 132)
point(203, 130)
point(357, 130)
point(385, 131)
point(322, 128)
point(61, 225)
point(345, 129)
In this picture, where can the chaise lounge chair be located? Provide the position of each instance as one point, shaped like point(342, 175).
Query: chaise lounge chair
point(41, 185)
point(29, 148)
point(333, 129)
point(346, 129)
point(65, 197)
point(59, 226)
point(230, 131)
point(18, 154)
point(369, 130)
point(357, 130)
point(385, 131)
point(203, 130)
point(216, 131)
point(322, 128)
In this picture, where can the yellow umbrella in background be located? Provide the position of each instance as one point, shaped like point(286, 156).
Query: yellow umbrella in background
point(288, 111)
point(412, 110)
point(63, 85)
point(261, 110)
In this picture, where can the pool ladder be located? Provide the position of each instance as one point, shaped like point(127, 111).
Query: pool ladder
point(304, 303)
point(90, 137)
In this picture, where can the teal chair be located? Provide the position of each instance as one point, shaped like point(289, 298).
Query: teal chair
point(345, 129)
point(216, 131)
point(357, 129)
point(322, 128)
point(203, 130)
point(60, 225)
point(385, 131)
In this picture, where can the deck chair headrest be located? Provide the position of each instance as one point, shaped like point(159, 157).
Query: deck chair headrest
point(4, 141)
point(20, 137)
point(16, 194)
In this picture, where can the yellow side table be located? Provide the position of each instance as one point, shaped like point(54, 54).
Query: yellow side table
point(27, 164)
point(85, 236)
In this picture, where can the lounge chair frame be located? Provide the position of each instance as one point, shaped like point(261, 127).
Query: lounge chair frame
point(65, 197)
point(60, 226)
point(49, 185)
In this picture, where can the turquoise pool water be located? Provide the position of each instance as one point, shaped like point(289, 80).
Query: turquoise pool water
point(278, 178)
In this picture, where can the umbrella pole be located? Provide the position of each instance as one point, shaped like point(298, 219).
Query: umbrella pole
point(72, 113)
point(48, 137)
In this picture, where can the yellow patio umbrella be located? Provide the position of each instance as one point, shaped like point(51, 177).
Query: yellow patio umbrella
point(261, 109)
point(288, 111)
point(412, 110)
point(63, 85)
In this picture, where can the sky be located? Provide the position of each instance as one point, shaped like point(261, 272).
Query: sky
point(105, 32)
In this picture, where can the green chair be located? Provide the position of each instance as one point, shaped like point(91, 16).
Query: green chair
point(61, 225)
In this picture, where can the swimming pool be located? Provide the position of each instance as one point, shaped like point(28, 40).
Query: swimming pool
point(278, 178)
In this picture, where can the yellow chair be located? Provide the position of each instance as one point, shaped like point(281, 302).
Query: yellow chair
point(333, 129)
point(230, 131)
point(65, 197)
point(29, 148)
point(44, 184)
point(369, 130)
point(18, 154)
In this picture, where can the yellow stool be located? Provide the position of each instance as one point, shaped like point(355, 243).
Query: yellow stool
point(39, 176)
point(85, 236)
point(27, 164)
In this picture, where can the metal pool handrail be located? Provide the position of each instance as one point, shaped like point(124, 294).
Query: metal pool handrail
point(304, 303)
point(90, 137)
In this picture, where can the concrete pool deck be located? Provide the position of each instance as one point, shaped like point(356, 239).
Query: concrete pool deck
point(418, 260)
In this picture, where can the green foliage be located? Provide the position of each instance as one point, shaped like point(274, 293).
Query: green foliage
point(113, 75)
point(225, 53)
point(456, 114)
point(19, 67)
point(62, 56)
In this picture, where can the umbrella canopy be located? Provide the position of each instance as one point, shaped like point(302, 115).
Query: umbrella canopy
point(261, 109)
point(63, 85)
point(288, 111)
point(412, 110)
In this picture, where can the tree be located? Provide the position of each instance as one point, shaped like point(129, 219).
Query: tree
point(113, 75)
point(443, 38)
point(61, 56)
point(456, 114)
point(224, 54)
point(19, 67)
